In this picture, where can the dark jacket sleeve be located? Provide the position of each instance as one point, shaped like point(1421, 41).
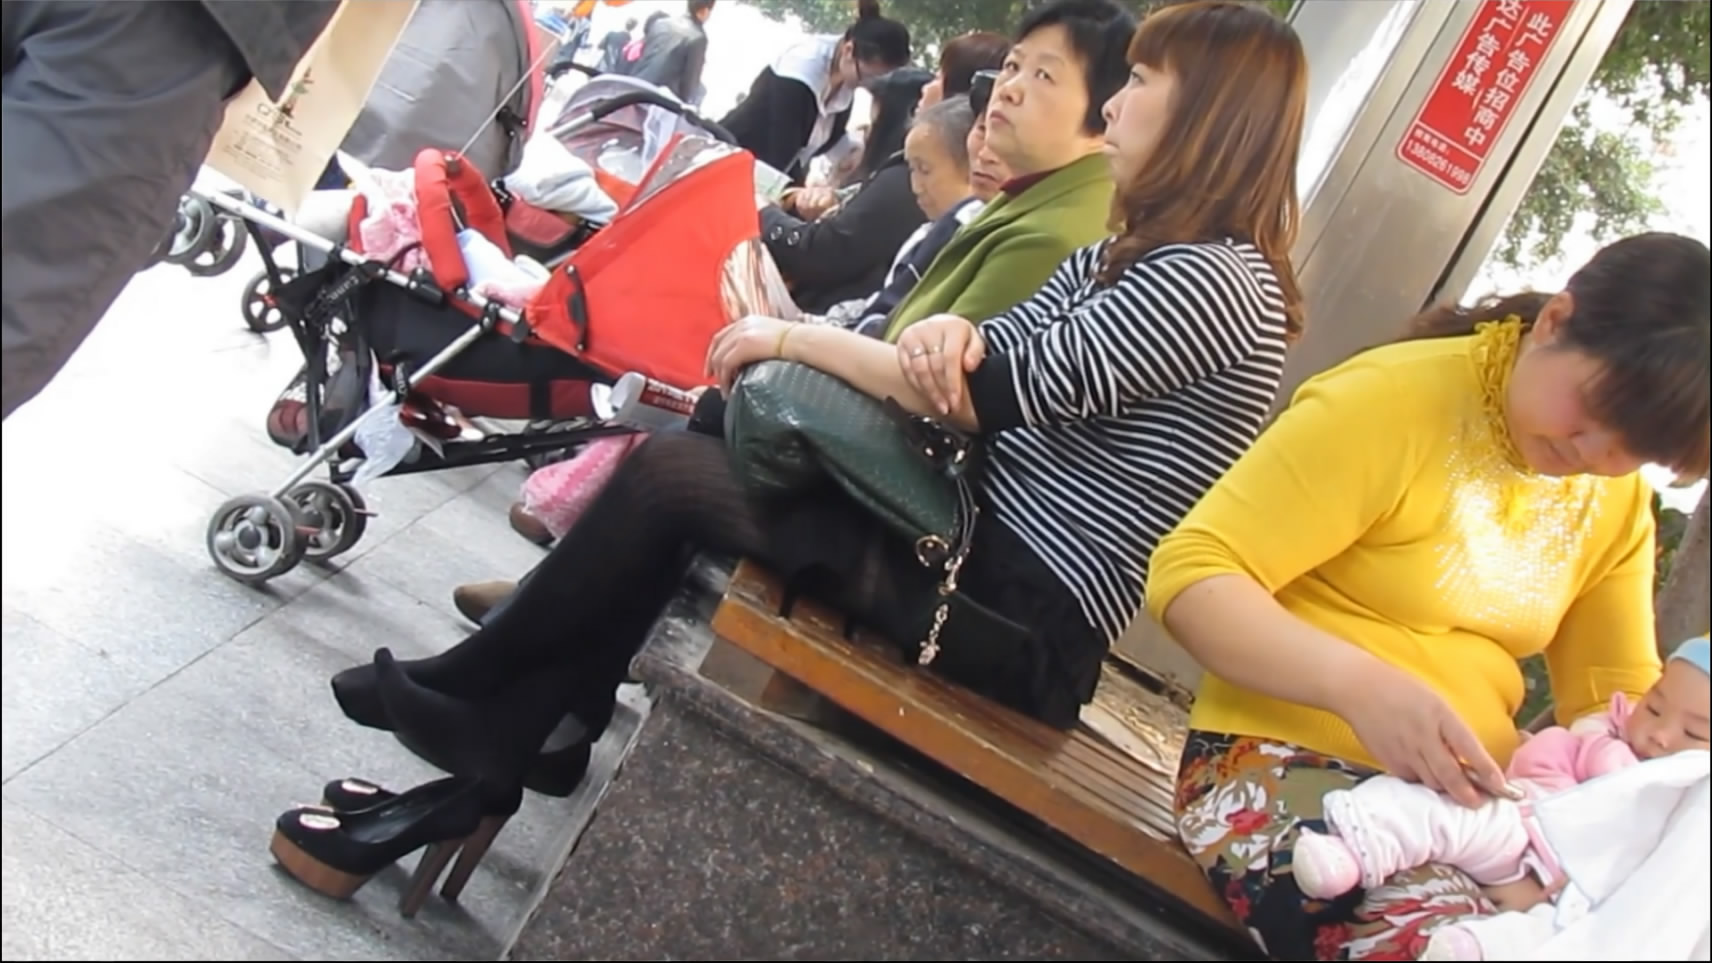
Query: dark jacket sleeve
point(272, 35)
point(846, 253)
point(689, 77)
point(774, 121)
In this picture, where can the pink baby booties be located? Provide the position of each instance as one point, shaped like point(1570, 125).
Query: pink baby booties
point(558, 494)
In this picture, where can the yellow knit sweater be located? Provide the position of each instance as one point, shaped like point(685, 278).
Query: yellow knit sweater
point(1388, 507)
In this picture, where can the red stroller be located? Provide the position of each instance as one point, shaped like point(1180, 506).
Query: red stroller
point(444, 351)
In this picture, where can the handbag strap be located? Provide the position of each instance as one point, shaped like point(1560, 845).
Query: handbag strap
point(954, 453)
point(935, 553)
point(950, 565)
point(956, 456)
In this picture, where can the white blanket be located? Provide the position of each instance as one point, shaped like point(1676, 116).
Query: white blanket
point(1636, 846)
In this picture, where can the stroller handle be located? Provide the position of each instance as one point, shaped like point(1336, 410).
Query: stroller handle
point(712, 127)
point(611, 105)
point(241, 208)
point(584, 69)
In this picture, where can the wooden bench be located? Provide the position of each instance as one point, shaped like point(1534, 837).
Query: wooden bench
point(1106, 800)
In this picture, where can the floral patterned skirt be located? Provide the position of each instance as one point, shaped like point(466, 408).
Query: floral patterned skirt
point(1240, 803)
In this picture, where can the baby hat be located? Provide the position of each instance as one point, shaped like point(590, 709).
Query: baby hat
point(1694, 652)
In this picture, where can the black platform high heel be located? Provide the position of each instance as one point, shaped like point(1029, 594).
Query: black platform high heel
point(558, 771)
point(335, 853)
point(351, 794)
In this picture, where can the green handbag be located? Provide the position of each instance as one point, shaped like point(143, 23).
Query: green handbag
point(789, 427)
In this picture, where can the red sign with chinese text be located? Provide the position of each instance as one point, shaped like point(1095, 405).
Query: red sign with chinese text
point(1477, 92)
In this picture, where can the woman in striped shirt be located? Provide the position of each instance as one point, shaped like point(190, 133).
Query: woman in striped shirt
point(1108, 403)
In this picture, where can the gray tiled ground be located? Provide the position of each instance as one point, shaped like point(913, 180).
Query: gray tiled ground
point(157, 715)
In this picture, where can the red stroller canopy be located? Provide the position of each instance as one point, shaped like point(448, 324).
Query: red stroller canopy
point(644, 294)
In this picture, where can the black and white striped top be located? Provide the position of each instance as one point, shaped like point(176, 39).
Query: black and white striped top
point(1109, 411)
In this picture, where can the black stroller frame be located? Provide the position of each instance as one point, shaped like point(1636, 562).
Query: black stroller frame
point(257, 537)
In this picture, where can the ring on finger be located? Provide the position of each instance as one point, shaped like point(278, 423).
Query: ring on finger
point(917, 352)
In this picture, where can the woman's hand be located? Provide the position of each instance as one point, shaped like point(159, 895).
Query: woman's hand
point(813, 203)
point(744, 342)
point(1416, 737)
point(937, 354)
point(1522, 895)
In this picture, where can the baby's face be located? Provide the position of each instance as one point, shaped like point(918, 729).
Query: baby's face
point(1672, 716)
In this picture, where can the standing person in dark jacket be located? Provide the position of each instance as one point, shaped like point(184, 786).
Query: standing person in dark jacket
point(674, 50)
point(799, 107)
point(612, 46)
point(109, 112)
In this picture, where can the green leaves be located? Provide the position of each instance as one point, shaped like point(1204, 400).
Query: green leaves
point(1657, 65)
point(1606, 174)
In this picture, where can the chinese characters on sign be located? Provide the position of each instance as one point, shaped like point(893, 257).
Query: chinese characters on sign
point(278, 149)
point(1475, 95)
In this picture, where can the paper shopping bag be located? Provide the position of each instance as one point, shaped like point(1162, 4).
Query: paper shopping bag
point(279, 149)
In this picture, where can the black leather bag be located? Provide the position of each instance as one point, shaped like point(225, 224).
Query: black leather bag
point(789, 427)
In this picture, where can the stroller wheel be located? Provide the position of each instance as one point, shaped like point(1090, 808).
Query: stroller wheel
point(261, 313)
point(195, 228)
point(253, 538)
point(226, 245)
point(333, 516)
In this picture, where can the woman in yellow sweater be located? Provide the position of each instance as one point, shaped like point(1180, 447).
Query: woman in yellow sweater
point(1361, 584)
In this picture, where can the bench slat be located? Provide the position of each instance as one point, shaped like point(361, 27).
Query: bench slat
point(1087, 764)
point(1076, 782)
point(1090, 764)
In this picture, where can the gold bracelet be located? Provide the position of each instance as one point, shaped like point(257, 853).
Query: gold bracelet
point(779, 349)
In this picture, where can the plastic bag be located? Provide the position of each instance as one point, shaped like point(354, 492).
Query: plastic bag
point(558, 494)
point(552, 178)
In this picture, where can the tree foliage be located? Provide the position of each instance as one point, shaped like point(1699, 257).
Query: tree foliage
point(1657, 65)
point(1684, 607)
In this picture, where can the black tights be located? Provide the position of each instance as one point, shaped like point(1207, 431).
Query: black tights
point(565, 639)
point(594, 597)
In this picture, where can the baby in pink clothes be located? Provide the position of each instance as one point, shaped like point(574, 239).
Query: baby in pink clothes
point(1385, 825)
point(1557, 758)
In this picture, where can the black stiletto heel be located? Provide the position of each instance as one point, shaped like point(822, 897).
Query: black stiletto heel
point(336, 853)
point(470, 855)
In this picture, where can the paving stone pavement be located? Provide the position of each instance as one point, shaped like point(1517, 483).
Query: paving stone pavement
point(157, 715)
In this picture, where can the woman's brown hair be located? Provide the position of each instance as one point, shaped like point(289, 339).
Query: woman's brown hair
point(965, 54)
point(1226, 164)
point(1642, 309)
